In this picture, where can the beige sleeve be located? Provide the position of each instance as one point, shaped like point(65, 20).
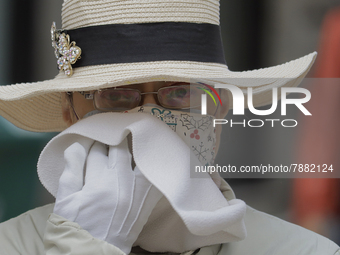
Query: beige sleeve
point(24, 234)
point(65, 237)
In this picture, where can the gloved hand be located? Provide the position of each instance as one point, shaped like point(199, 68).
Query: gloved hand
point(114, 202)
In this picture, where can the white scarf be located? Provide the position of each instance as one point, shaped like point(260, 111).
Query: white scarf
point(193, 212)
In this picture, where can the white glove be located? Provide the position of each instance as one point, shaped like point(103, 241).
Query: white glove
point(115, 202)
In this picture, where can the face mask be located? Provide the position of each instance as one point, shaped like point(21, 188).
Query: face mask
point(194, 129)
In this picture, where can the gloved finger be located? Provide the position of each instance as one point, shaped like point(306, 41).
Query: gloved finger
point(120, 156)
point(140, 175)
point(72, 178)
point(144, 199)
point(96, 163)
point(144, 186)
point(120, 172)
point(86, 143)
point(120, 164)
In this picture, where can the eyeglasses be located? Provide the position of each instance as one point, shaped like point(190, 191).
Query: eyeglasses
point(121, 99)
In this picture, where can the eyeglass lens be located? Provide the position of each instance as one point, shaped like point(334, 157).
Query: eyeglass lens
point(116, 99)
point(173, 97)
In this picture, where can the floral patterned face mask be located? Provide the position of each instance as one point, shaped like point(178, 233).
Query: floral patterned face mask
point(194, 129)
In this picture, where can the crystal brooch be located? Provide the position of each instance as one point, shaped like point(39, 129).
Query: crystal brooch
point(65, 51)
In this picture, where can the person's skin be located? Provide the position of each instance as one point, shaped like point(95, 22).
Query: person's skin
point(82, 106)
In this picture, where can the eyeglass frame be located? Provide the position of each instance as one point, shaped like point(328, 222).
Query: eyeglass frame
point(90, 96)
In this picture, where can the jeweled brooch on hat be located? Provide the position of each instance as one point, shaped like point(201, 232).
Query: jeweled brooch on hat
point(67, 53)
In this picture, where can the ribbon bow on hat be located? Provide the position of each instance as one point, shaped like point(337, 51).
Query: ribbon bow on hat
point(201, 215)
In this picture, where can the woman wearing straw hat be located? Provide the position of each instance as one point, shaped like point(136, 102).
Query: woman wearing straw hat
point(121, 180)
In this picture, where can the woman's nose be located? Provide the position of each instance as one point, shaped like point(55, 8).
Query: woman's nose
point(149, 99)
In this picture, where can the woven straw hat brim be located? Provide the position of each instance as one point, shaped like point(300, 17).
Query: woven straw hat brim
point(37, 106)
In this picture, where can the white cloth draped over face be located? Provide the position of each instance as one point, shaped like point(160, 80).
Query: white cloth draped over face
point(192, 212)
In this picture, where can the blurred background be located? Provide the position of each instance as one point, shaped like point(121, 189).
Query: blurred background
point(256, 34)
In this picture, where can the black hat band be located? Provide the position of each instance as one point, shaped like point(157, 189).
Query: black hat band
point(164, 41)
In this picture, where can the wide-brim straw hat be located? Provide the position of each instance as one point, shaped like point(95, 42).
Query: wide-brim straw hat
point(126, 41)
